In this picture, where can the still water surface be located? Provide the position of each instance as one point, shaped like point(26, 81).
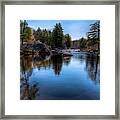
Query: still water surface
point(60, 78)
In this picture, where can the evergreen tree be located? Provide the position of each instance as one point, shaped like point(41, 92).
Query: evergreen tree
point(25, 32)
point(38, 34)
point(67, 38)
point(94, 34)
point(57, 36)
point(49, 38)
point(82, 43)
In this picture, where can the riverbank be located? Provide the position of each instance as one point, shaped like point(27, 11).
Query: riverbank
point(42, 50)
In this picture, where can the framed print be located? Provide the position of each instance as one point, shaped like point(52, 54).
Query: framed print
point(60, 59)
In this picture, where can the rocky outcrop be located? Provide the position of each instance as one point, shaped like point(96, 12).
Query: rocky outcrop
point(35, 48)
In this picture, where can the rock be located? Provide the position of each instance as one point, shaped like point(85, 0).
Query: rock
point(35, 48)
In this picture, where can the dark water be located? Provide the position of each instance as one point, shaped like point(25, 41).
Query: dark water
point(60, 78)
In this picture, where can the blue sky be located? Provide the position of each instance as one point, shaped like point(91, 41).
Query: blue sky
point(76, 28)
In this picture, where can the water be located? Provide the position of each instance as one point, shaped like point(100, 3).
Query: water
point(60, 78)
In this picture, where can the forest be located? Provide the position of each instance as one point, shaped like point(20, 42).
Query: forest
point(56, 38)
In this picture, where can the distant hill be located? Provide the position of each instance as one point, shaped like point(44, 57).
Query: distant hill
point(75, 44)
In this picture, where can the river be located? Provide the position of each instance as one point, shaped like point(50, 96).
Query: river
point(60, 78)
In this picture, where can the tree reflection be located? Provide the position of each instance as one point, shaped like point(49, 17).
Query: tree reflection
point(57, 62)
point(29, 62)
point(28, 92)
point(38, 62)
point(26, 67)
point(92, 66)
point(26, 63)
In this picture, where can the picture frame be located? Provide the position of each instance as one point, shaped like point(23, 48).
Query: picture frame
point(70, 2)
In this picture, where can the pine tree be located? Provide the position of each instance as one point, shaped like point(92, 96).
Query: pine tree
point(57, 36)
point(25, 32)
point(94, 34)
point(67, 38)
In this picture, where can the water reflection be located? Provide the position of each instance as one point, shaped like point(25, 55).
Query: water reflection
point(67, 60)
point(26, 67)
point(38, 63)
point(92, 67)
point(28, 92)
point(57, 62)
point(79, 64)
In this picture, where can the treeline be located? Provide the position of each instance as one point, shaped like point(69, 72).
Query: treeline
point(54, 38)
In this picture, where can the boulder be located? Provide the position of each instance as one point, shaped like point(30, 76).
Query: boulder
point(35, 48)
